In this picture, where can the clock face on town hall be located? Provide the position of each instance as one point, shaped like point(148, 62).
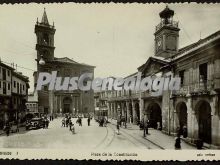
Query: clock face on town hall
point(166, 35)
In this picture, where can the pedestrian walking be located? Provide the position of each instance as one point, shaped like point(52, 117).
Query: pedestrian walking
point(73, 129)
point(118, 127)
point(77, 121)
point(70, 125)
point(63, 122)
point(47, 122)
point(80, 121)
point(178, 143)
point(88, 120)
point(44, 123)
point(146, 127)
point(67, 121)
point(105, 122)
point(7, 129)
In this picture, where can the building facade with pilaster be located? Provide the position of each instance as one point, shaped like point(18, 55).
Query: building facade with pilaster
point(196, 105)
point(13, 94)
point(63, 101)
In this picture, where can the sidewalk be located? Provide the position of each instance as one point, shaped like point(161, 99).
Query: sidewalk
point(21, 129)
point(155, 136)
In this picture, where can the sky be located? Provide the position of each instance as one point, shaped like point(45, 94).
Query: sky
point(116, 38)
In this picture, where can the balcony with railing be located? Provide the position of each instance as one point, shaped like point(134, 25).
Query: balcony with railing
point(169, 23)
point(199, 88)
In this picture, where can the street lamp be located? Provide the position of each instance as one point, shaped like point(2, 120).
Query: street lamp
point(41, 61)
point(126, 118)
point(119, 115)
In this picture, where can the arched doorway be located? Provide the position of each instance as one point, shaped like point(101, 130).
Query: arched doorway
point(67, 101)
point(154, 115)
point(203, 113)
point(130, 113)
point(182, 116)
point(137, 112)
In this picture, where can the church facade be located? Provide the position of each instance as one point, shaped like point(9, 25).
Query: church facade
point(50, 101)
point(195, 106)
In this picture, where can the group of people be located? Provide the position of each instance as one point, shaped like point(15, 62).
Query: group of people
point(7, 128)
point(79, 120)
point(103, 122)
point(45, 122)
point(67, 122)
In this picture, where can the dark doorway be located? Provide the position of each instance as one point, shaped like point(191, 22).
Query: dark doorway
point(154, 116)
point(204, 121)
point(67, 105)
point(182, 116)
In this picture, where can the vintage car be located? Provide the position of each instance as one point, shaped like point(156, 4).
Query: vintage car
point(34, 123)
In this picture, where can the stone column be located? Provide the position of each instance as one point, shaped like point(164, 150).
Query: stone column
point(195, 126)
point(109, 110)
point(122, 109)
point(190, 119)
point(141, 105)
point(127, 112)
point(60, 100)
point(112, 110)
point(51, 102)
point(133, 111)
point(55, 104)
point(176, 121)
point(73, 104)
point(215, 121)
point(115, 110)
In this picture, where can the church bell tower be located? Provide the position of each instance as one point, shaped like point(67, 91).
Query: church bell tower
point(45, 39)
point(166, 35)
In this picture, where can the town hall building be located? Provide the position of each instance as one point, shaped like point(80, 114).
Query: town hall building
point(196, 106)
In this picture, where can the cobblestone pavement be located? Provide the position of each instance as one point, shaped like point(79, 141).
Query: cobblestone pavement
point(88, 137)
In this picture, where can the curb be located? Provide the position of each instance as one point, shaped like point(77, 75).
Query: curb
point(161, 147)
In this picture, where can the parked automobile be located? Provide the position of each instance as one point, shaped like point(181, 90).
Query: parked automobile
point(34, 123)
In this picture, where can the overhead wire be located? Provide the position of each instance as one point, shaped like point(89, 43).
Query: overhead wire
point(12, 64)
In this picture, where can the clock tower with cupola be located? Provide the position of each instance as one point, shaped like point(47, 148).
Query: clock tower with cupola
point(166, 35)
